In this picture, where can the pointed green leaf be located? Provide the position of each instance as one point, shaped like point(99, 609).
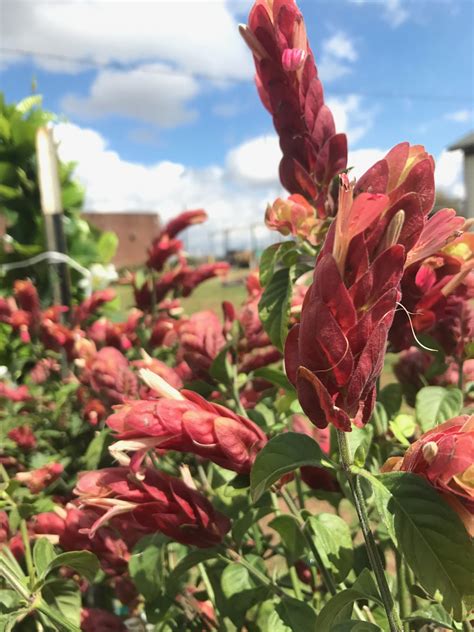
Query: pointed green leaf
point(430, 535)
point(282, 454)
point(435, 404)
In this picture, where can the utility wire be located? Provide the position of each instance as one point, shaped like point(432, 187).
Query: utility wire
point(171, 72)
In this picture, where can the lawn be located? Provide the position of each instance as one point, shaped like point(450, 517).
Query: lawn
point(209, 295)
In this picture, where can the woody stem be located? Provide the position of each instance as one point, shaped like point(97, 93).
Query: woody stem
point(394, 621)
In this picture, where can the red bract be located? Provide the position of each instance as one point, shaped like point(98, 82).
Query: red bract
point(94, 412)
point(192, 277)
point(14, 393)
point(444, 456)
point(111, 549)
point(186, 422)
point(23, 436)
point(294, 216)
point(336, 354)
point(161, 250)
point(200, 340)
point(437, 291)
point(159, 368)
point(110, 376)
point(37, 480)
point(183, 221)
point(90, 305)
point(288, 84)
point(43, 369)
point(27, 297)
point(156, 502)
point(95, 619)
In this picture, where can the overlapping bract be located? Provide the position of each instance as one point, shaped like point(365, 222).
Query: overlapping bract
point(186, 422)
point(335, 355)
point(290, 89)
point(155, 502)
point(443, 456)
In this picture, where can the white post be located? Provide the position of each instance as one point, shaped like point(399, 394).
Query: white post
point(50, 191)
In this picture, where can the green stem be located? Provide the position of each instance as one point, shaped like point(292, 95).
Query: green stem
point(266, 581)
point(14, 582)
point(295, 581)
point(325, 574)
point(207, 583)
point(394, 621)
point(404, 597)
point(28, 557)
point(235, 394)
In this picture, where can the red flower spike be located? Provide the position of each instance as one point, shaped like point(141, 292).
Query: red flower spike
point(186, 422)
point(289, 87)
point(444, 457)
point(156, 502)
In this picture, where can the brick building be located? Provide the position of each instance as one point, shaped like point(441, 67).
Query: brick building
point(134, 231)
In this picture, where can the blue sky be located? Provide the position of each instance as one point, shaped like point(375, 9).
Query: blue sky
point(163, 112)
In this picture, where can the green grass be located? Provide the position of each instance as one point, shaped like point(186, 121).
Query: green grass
point(208, 295)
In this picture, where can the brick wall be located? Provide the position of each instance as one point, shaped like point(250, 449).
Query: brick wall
point(134, 230)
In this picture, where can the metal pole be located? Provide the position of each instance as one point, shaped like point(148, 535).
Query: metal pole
point(50, 191)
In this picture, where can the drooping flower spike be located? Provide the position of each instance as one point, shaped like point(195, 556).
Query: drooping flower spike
point(155, 502)
point(186, 422)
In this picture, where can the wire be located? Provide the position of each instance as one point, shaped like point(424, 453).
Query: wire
point(208, 77)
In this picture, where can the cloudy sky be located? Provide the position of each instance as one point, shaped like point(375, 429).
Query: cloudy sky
point(161, 113)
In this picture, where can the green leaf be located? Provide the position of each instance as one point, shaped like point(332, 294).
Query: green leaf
point(402, 427)
point(96, 449)
point(64, 600)
point(274, 307)
point(235, 579)
point(84, 563)
point(268, 260)
point(360, 440)
point(297, 615)
point(221, 369)
point(43, 555)
point(270, 257)
point(5, 132)
point(334, 542)
point(275, 376)
point(191, 560)
point(435, 404)
point(282, 454)
point(290, 533)
point(9, 193)
point(339, 608)
point(430, 536)
point(432, 613)
point(243, 524)
point(145, 566)
point(107, 246)
point(391, 398)
point(27, 103)
point(355, 625)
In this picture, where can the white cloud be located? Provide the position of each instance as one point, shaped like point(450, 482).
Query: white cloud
point(460, 116)
point(449, 173)
point(151, 93)
point(338, 53)
point(340, 46)
point(351, 116)
point(232, 195)
point(394, 11)
point(256, 161)
point(194, 36)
